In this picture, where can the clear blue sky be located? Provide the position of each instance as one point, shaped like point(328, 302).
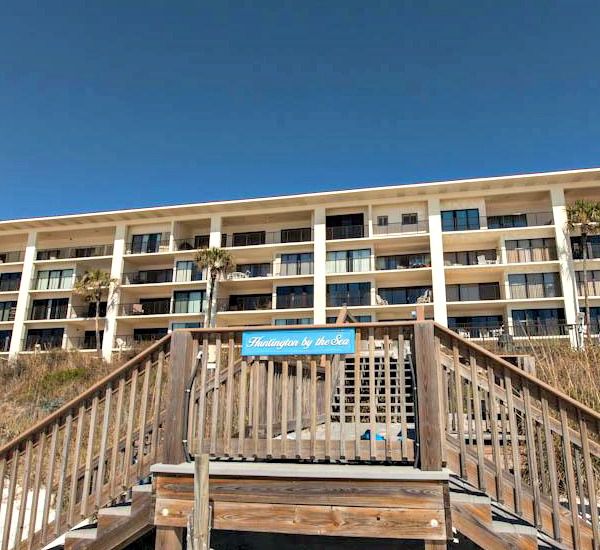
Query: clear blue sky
point(114, 104)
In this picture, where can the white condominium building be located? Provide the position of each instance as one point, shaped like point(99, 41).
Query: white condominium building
point(481, 255)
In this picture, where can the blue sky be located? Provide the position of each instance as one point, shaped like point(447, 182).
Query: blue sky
point(114, 104)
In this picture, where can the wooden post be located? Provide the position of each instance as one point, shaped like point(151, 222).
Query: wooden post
point(182, 360)
point(201, 503)
point(427, 366)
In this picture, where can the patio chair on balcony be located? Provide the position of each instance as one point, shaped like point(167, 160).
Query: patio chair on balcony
point(425, 298)
point(380, 301)
point(137, 309)
point(238, 275)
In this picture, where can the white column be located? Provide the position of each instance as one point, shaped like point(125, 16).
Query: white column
point(18, 331)
point(436, 248)
point(112, 307)
point(319, 262)
point(563, 248)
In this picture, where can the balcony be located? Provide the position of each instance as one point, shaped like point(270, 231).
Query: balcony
point(258, 238)
point(10, 257)
point(250, 271)
point(150, 243)
point(296, 264)
point(471, 257)
point(250, 302)
point(535, 291)
point(43, 339)
point(192, 243)
point(531, 250)
point(404, 295)
point(45, 310)
point(472, 292)
point(79, 252)
point(7, 311)
point(593, 247)
point(293, 301)
point(403, 261)
point(346, 232)
point(400, 228)
point(471, 220)
point(5, 336)
point(86, 311)
point(154, 276)
point(10, 282)
point(340, 300)
point(160, 306)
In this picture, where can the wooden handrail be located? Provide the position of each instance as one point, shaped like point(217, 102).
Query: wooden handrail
point(83, 397)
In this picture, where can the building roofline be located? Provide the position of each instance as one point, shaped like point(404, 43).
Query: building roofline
point(212, 206)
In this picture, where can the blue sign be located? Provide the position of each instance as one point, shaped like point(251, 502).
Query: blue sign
point(314, 341)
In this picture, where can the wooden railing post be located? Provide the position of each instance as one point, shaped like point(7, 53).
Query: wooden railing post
point(181, 364)
point(429, 387)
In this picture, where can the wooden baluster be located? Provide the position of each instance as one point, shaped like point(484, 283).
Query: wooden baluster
point(531, 455)
point(202, 396)
point(470, 398)
point(387, 376)
point(86, 491)
point(514, 443)
point(478, 424)
point(372, 398)
point(229, 396)
point(313, 409)
point(357, 388)
point(298, 409)
point(214, 424)
point(129, 434)
point(269, 405)
point(49, 484)
point(327, 403)
point(3, 462)
point(570, 474)
point(64, 461)
point(116, 439)
point(37, 483)
point(342, 402)
point(589, 473)
point(256, 401)
point(495, 437)
point(143, 418)
point(580, 485)
point(458, 385)
point(103, 442)
point(541, 458)
point(551, 457)
point(156, 407)
point(284, 408)
point(242, 409)
point(504, 427)
point(24, 490)
point(12, 487)
point(400, 394)
point(75, 466)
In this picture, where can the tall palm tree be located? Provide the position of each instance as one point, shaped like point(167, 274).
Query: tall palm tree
point(217, 262)
point(585, 216)
point(93, 285)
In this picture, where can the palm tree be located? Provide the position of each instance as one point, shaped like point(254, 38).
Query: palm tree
point(217, 262)
point(585, 216)
point(93, 285)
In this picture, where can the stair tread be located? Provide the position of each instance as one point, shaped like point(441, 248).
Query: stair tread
point(90, 533)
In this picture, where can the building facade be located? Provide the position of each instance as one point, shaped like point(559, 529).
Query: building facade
point(478, 254)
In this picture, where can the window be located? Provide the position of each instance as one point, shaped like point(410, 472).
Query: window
point(403, 295)
point(50, 254)
point(9, 282)
point(359, 319)
point(472, 292)
point(296, 235)
point(410, 219)
point(89, 339)
point(294, 296)
point(187, 270)
point(146, 243)
point(539, 322)
point(291, 322)
point(5, 336)
point(382, 221)
point(255, 270)
point(201, 241)
point(507, 221)
point(348, 261)
point(250, 302)
point(534, 285)
point(46, 338)
point(91, 310)
point(155, 306)
point(188, 301)
point(54, 279)
point(470, 257)
point(530, 250)
point(460, 220)
point(7, 311)
point(345, 226)
point(249, 238)
point(403, 261)
point(175, 326)
point(593, 283)
point(297, 264)
point(350, 294)
point(593, 247)
point(55, 308)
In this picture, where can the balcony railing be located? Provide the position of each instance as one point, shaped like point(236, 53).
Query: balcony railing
point(472, 257)
point(74, 252)
point(402, 261)
point(399, 227)
point(473, 293)
point(527, 255)
point(10, 285)
point(13, 256)
point(5, 344)
point(42, 343)
point(148, 277)
point(509, 221)
point(250, 271)
point(296, 268)
point(251, 303)
point(257, 238)
point(534, 291)
point(191, 243)
point(158, 307)
point(292, 301)
point(593, 287)
point(148, 248)
point(347, 232)
point(339, 300)
point(127, 341)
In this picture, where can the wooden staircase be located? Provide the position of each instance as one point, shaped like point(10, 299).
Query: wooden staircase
point(525, 458)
